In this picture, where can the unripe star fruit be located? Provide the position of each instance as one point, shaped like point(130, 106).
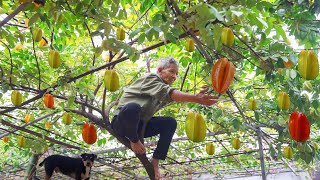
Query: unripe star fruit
point(120, 34)
point(37, 34)
point(189, 45)
point(227, 36)
point(54, 59)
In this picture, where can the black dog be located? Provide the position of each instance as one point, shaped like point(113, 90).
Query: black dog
point(77, 168)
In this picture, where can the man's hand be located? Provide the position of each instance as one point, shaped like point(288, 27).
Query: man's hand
point(205, 99)
point(138, 147)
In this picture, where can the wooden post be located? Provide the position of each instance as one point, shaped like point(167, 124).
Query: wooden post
point(263, 170)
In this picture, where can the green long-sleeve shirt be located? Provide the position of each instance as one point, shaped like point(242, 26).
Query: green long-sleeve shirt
point(150, 92)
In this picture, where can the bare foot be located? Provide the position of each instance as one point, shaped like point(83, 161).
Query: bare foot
point(155, 163)
point(138, 147)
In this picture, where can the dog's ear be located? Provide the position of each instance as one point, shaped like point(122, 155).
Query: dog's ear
point(82, 155)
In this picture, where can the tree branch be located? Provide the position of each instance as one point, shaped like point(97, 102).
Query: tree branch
point(38, 134)
point(14, 13)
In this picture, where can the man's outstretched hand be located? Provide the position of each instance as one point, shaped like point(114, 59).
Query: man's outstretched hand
point(138, 147)
point(206, 99)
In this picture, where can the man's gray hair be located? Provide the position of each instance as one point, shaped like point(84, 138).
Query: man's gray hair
point(166, 61)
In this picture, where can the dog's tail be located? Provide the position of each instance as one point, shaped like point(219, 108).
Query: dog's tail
point(40, 164)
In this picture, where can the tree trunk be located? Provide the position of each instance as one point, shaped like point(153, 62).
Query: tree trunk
point(32, 166)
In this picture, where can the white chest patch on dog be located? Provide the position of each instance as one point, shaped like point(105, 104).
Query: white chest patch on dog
point(87, 175)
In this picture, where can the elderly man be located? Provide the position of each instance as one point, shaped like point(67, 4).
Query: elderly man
point(135, 118)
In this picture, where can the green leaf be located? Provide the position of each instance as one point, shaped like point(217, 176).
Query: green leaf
point(156, 28)
point(114, 9)
point(262, 22)
point(307, 157)
point(293, 74)
point(141, 38)
point(256, 115)
point(70, 101)
point(122, 14)
point(95, 33)
point(79, 7)
point(149, 33)
point(254, 20)
point(217, 37)
point(144, 5)
point(214, 11)
point(204, 11)
point(272, 150)
point(281, 32)
point(175, 32)
point(237, 13)
point(106, 26)
point(236, 124)
point(98, 51)
point(33, 19)
point(134, 33)
point(281, 12)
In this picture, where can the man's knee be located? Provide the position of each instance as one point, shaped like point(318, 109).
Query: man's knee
point(171, 124)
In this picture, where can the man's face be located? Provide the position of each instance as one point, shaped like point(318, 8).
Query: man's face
point(168, 75)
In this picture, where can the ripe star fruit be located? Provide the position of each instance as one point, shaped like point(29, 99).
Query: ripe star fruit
point(43, 43)
point(222, 74)
point(19, 46)
point(28, 118)
point(26, 22)
point(6, 139)
point(48, 100)
point(195, 127)
point(299, 127)
point(89, 133)
point(48, 125)
point(288, 64)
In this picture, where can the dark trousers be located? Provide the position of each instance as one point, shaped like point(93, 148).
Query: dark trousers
point(127, 123)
